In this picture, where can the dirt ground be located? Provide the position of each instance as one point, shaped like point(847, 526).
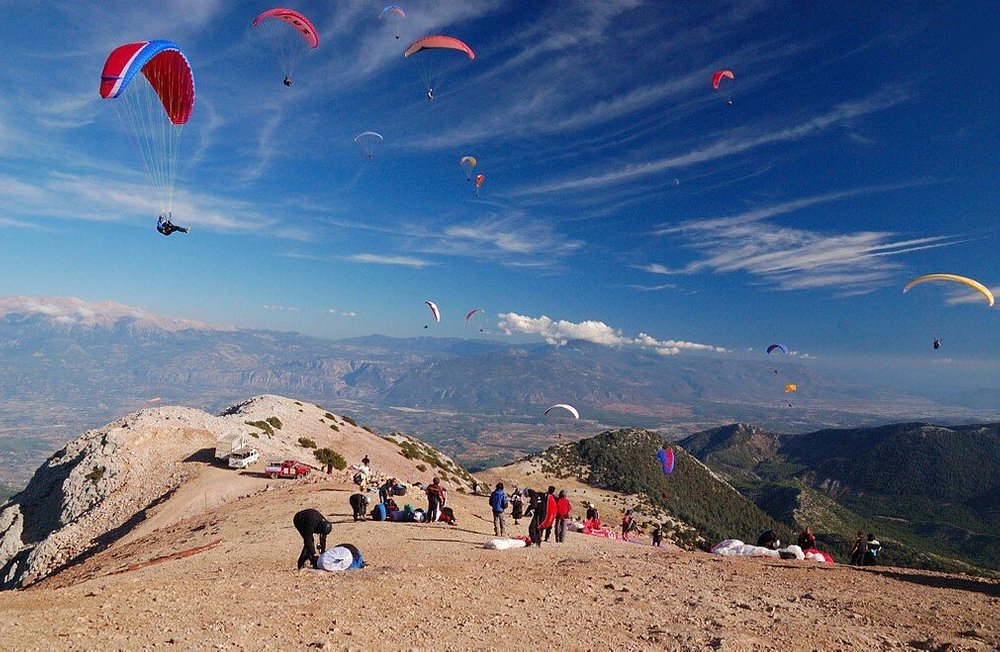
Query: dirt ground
point(225, 578)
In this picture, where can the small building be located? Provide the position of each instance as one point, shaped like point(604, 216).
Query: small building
point(229, 443)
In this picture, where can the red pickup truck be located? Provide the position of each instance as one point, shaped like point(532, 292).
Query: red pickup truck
point(286, 469)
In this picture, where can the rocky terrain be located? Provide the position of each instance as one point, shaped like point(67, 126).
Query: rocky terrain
point(202, 557)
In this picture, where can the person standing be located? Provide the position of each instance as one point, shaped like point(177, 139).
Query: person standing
point(807, 539)
point(562, 513)
point(859, 549)
point(657, 536)
point(498, 503)
point(627, 524)
point(536, 509)
point(359, 505)
point(872, 548)
point(593, 516)
point(435, 500)
point(309, 522)
point(550, 512)
point(516, 506)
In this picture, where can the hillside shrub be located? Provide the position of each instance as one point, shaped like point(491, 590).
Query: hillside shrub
point(96, 474)
point(350, 421)
point(275, 421)
point(263, 425)
point(305, 442)
point(331, 459)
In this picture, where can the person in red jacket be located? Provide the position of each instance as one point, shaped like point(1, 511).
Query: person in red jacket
point(562, 513)
point(550, 512)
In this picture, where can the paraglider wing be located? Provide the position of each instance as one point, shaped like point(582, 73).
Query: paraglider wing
point(472, 312)
point(564, 406)
point(434, 310)
point(438, 42)
point(366, 135)
point(393, 10)
point(666, 457)
point(468, 161)
point(791, 388)
point(153, 106)
point(479, 179)
point(975, 285)
point(777, 347)
point(165, 67)
point(301, 24)
point(718, 75)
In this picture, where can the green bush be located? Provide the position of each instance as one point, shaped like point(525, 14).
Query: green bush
point(263, 425)
point(421, 467)
point(331, 459)
point(305, 442)
point(96, 474)
point(334, 427)
point(350, 421)
point(329, 416)
point(275, 421)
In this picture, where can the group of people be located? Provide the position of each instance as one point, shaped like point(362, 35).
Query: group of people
point(547, 511)
point(865, 551)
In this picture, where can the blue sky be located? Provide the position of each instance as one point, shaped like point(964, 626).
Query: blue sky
point(625, 201)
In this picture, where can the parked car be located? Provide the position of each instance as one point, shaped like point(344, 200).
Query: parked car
point(287, 469)
point(241, 459)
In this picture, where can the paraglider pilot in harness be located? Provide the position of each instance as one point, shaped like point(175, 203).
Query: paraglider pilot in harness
point(287, 81)
point(164, 226)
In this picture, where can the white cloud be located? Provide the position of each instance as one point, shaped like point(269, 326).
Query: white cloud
point(959, 297)
point(378, 259)
point(794, 258)
point(281, 308)
point(560, 332)
point(722, 148)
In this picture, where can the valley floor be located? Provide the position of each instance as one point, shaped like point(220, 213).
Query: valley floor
point(434, 586)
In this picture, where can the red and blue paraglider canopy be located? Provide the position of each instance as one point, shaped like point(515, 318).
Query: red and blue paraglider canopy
point(666, 457)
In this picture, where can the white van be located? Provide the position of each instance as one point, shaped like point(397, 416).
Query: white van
point(244, 457)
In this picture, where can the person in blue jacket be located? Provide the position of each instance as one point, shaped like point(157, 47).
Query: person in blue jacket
point(498, 503)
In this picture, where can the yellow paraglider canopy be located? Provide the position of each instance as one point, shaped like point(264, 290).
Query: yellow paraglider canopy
point(975, 285)
point(791, 388)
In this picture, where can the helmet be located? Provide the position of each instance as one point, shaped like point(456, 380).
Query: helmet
point(325, 527)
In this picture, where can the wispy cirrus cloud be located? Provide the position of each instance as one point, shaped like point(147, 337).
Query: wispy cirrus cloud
point(723, 147)
point(560, 332)
point(794, 258)
point(960, 297)
point(380, 259)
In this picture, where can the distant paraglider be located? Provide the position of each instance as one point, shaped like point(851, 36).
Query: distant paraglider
point(434, 311)
point(369, 140)
point(789, 388)
point(937, 343)
point(480, 178)
point(433, 51)
point(975, 285)
point(477, 316)
point(468, 164)
point(717, 78)
point(289, 34)
point(392, 15)
point(564, 406)
point(777, 347)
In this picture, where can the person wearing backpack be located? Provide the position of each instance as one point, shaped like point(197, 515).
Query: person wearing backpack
point(498, 503)
point(873, 547)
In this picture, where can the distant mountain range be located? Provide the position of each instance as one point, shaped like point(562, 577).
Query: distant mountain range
point(67, 365)
point(933, 492)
